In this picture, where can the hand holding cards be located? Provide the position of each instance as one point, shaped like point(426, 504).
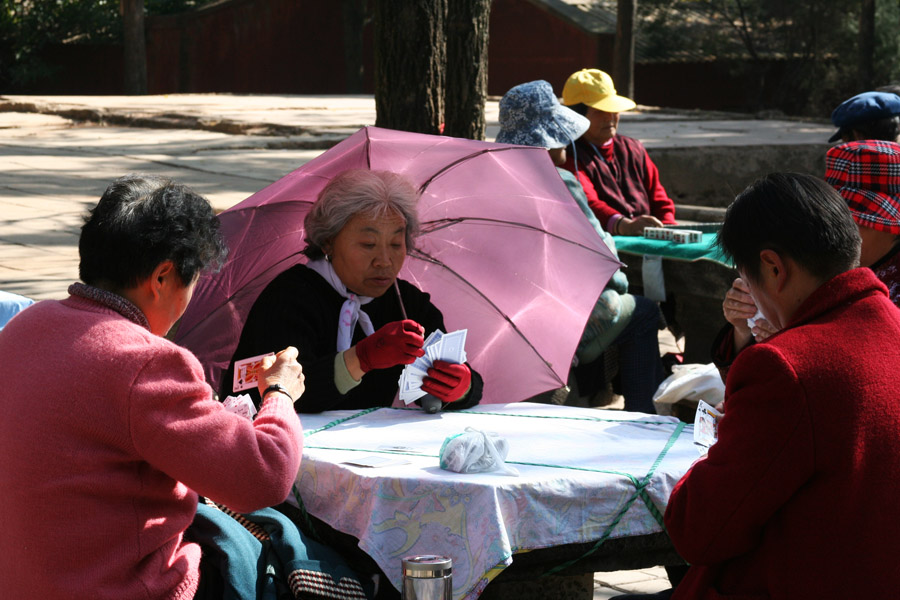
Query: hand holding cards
point(439, 346)
point(396, 343)
point(246, 372)
point(269, 369)
point(448, 382)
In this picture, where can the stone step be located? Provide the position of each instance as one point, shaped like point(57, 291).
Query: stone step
point(687, 213)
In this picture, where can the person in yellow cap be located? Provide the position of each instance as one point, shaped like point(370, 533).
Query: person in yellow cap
point(620, 181)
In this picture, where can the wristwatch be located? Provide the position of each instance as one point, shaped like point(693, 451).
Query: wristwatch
point(277, 387)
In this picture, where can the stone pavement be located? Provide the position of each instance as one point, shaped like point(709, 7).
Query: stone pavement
point(58, 154)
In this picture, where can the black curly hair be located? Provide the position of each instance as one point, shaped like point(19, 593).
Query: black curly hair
point(141, 221)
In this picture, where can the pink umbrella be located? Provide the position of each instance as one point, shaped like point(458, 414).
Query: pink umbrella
point(505, 252)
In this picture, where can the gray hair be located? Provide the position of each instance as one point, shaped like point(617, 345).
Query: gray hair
point(374, 194)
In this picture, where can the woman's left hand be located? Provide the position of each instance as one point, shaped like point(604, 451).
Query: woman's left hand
point(447, 381)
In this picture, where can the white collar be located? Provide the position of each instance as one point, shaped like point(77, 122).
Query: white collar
point(351, 311)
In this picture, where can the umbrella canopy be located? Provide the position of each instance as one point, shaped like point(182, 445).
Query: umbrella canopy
point(504, 251)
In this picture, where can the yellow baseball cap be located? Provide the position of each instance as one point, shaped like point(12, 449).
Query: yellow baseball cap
point(594, 88)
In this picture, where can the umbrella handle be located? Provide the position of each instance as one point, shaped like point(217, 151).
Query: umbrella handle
point(400, 299)
point(430, 404)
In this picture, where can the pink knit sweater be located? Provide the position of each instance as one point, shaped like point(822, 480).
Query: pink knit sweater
point(108, 433)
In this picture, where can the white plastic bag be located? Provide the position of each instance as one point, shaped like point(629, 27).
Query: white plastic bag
point(689, 382)
point(475, 451)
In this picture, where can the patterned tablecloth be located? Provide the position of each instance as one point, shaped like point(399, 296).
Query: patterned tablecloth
point(585, 475)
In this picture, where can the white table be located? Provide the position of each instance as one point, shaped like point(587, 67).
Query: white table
point(586, 475)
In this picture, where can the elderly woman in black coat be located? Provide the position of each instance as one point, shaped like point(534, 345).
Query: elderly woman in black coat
point(355, 329)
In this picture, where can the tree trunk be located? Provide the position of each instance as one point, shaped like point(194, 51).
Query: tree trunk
point(410, 54)
point(467, 68)
point(623, 67)
point(135, 48)
point(867, 45)
point(354, 14)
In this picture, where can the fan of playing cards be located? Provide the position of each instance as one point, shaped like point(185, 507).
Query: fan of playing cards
point(449, 347)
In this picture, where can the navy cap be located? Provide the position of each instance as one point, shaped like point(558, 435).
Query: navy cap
point(868, 106)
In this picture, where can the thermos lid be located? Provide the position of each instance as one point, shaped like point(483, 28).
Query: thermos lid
point(427, 565)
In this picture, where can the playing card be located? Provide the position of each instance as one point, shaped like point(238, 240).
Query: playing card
point(433, 338)
point(410, 383)
point(411, 395)
point(240, 405)
point(452, 346)
point(423, 363)
point(246, 372)
point(706, 426)
point(433, 352)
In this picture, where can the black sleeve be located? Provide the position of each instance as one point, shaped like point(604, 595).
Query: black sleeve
point(722, 350)
point(473, 397)
point(294, 310)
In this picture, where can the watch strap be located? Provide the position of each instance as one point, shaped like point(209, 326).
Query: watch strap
point(277, 387)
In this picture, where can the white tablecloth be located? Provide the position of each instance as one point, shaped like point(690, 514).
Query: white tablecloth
point(580, 472)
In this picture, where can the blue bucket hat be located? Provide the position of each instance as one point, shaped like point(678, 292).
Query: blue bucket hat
point(531, 115)
point(868, 106)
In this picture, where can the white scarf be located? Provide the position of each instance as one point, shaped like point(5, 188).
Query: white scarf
point(351, 313)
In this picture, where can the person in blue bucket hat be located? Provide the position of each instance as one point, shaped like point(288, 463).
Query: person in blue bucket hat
point(867, 116)
point(531, 115)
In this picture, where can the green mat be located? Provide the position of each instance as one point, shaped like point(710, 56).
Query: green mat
point(705, 250)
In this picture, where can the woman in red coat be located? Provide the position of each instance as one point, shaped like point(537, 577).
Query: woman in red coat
point(796, 498)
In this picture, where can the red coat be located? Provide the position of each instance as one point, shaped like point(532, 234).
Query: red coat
point(798, 499)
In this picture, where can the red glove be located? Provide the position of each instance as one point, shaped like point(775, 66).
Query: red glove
point(397, 343)
point(447, 381)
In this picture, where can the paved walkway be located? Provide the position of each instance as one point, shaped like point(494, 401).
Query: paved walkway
point(58, 154)
point(319, 121)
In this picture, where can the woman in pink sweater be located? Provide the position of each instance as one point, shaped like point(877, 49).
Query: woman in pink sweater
point(110, 431)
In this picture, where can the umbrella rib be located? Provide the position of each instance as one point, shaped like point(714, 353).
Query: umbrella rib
point(368, 153)
point(444, 223)
point(428, 258)
point(449, 166)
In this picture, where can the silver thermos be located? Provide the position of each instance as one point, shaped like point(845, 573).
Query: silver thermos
point(427, 577)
